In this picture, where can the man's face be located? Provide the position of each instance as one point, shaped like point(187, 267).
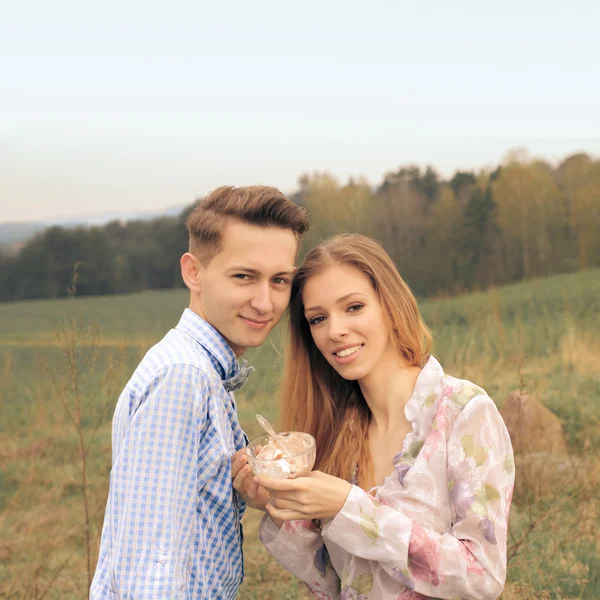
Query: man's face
point(246, 287)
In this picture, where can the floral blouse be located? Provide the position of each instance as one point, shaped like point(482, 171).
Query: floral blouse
point(436, 527)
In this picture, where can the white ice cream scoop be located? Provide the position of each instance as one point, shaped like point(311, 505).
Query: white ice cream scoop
point(277, 439)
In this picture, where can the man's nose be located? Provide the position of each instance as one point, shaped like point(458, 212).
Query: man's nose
point(261, 300)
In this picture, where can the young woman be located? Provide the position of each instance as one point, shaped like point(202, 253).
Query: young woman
point(414, 472)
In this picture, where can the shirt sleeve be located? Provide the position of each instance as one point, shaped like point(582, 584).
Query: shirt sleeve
point(299, 548)
point(469, 560)
point(153, 488)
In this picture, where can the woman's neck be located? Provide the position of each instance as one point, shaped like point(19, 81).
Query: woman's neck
point(386, 390)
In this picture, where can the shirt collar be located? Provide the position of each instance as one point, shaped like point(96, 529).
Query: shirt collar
point(422, 406)
point(219, 351)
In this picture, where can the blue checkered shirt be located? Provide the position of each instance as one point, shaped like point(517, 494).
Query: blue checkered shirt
point(172, 524)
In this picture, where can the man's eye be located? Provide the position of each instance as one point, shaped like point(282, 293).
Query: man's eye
point(280, 281)
point(242, 276)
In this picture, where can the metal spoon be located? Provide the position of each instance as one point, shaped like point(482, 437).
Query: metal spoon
point(276, 438)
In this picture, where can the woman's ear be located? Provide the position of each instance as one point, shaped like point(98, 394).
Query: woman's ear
point(191, 272)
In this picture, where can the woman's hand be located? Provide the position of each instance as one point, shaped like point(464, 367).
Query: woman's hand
point(316, 496)
point(253, 494)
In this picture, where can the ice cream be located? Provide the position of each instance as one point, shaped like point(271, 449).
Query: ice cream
point(271, 461)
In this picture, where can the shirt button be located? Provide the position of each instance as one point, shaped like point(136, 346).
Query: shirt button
point(162, 560)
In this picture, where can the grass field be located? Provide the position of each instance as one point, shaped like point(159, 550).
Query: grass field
point(542, 336)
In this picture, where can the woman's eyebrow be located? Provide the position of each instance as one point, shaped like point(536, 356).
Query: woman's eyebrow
point(338, 301)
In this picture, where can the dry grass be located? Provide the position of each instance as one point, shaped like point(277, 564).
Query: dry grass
point(554, 538)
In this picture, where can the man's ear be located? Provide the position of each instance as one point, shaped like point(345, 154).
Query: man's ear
point(191, 272)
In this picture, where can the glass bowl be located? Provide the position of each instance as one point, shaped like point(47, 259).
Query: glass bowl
point(285, 467)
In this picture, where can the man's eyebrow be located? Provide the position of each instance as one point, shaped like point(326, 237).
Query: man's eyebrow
point(246, 269)
point(257, 272)
point(338, 301)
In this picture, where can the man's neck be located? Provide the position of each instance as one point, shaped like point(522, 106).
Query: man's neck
point(195, 308)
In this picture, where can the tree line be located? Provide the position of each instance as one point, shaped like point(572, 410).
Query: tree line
point(524, 219)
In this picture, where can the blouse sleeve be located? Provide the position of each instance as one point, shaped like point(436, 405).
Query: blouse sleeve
point(299, 548)
point(469, 560)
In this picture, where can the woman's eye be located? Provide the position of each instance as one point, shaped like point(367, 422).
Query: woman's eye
point(355, 307)
point(315, 320)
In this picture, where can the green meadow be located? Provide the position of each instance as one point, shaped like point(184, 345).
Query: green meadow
point(64, 362)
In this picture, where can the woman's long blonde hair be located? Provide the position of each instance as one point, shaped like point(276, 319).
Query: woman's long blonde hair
point(315, 398)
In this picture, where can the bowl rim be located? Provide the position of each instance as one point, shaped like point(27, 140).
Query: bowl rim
point(267, 460)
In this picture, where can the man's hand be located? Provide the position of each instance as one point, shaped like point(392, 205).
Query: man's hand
point(253, 494)
point(316, 496)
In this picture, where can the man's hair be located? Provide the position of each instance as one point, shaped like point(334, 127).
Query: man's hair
point(255, 204)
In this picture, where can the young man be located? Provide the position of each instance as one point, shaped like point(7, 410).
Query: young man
point(172, 524)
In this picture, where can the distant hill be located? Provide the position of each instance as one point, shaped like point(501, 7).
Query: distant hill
point(12, 235)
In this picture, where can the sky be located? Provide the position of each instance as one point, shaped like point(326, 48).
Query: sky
point(138, 106)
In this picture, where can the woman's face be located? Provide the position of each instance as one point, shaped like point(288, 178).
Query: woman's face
point(347, 321)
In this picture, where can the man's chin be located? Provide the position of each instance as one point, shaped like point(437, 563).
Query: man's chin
point(255, 342)
point(249, 341)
